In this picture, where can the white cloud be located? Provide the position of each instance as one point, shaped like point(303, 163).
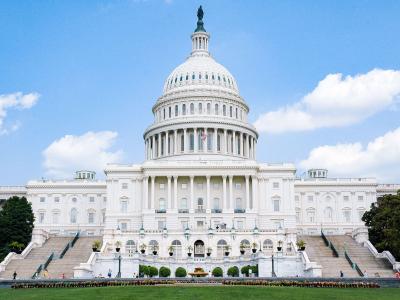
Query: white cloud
point(336, 101)
point(380, 158)
point(15, 101)
point(90, 151)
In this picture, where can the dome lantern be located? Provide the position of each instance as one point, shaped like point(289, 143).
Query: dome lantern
point(200, 37)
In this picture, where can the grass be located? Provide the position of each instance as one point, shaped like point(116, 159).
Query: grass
point(201, 293)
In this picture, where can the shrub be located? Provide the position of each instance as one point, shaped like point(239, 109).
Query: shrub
point(165, 272)
point(153, 271)
point(180, 272)
point(143, 270)
point(254, 270)
point(217, 272)
point(245, 270)
point(233, 271)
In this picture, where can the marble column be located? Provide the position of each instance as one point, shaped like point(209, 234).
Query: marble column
point(231, 203)
point(224, 199)
point(247, 204)
point(175, 192)
point(153, 178)
point(208, 193)
point(191, 192)
point(169, 204)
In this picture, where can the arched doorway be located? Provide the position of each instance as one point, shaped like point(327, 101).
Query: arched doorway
point(199, 248)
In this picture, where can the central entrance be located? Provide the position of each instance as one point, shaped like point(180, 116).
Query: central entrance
point(199, 248)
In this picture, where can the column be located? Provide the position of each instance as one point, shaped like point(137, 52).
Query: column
point(224, 200)
point(254, 192)
point(247, 204)
point(251, 147)
point(166, 144)
point(154, 146)
point(153, 178)
point(175, 141)
point(230, 201)
point(208, 193)
point(247, 146)
point(191, 192)
point(146, 192)
point(205, 142)
point(215, 140)
point(184, 140)
point(159, 145)
point(225, 142)
point(169, 204)
point(255, 147)
point(241, 144)
point(195, 140)
point(234, 143)
point(175, 192)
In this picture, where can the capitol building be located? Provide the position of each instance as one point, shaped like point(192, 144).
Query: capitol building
point(200, 198)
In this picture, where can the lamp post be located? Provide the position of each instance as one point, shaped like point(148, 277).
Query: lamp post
point(273, 266)
point(119, 265)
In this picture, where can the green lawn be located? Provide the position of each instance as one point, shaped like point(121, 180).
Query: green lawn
point(200, 293)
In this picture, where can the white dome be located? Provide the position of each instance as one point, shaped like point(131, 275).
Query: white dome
point(200, 70)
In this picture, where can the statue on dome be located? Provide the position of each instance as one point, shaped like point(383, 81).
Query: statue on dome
point(200, 24)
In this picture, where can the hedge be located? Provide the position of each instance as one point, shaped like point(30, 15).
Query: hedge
point(165, 272)
point(233, 271)
point(217, 272)
point(180, 272)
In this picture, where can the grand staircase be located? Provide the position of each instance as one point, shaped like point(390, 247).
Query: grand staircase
point(374, 267)
point(80, 253)
point(318, 252)
point(26, 267)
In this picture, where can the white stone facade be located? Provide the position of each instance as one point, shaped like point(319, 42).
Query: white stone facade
point(200, 185)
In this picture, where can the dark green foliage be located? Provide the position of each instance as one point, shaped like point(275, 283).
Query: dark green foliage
point(180, 272)
point(383, 221)
point(143, 270)
point(165, 272)
point(245, 270)
point(233, 271)
point(153, 271)
point(254, 270)
point(217, 272)
point(16, 224)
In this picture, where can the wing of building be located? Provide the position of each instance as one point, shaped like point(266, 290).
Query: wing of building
point(200, 189)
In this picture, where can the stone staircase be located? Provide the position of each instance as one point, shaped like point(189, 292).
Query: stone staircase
point(80, 253)
point(318, 252)
point(27, 266)
point(375, 267)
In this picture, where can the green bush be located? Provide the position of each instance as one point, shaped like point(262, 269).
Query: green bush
point(254, 270)
point(233, 271)
point(217, 272)
point(245, 270)
point(143, 270)
point(165, 272)
point(180, 272)
point(153, 271)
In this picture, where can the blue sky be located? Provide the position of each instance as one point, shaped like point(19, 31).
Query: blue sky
point(99, 66)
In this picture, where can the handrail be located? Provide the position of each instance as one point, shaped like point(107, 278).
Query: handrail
point(43, 266)
point(49, 259)
point(75, 239)
point(353, 264)
point(65, 250)
point(329, 244)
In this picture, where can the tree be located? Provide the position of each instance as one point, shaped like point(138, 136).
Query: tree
point(217, 272)
point(180, 272)
point(383, 222)
point(233, 271)
point(153, 271)
point(165, 272)
point(16, 224)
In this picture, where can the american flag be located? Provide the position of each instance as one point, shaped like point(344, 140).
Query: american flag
point(203, 135)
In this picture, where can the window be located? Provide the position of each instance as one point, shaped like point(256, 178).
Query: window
point(347, 215)
point(161, 224)
point(216, 186)
point(191, 108)
point(177, 248)
point(130, 247)
point(124, 226)
point(360, 198)
point(74, 200)
point(41, 217)
point(184, 186)
point(191, 141)
point(238, 186)
point(200, 108)
point(199, 186)
point(73, 215)
point(328, 214)
point(163, 113)
point(162, 205)
point(218, 142)
point(310, 198)
point(162, 186)
point(224, 110)
point(170, 111)
point(200, 224)
point(57, 199)
point(176, 110)
point(216, 109)
point(230, 111)
point(124, 206)
point(239, 203)
point(346, 198)
point(361, 212)
point(91, 199)
point(236, 112)
point(216, 203)
point(298, 214)
point(239, 225)
point(221, 248)
point(42, 199)
point(182, 143)
point(91, 217)
point(184, 109)
point(209, 141)
point(56, 217)
point(275, 185)
point(208, 108)
point(200, 203)
point(184, 203)
point(311, 215)
point(276, 203)
point(185, 224)
point(268, 245)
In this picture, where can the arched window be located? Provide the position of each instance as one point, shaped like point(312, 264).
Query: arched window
point(42, 214)
point(298, 214)
point(208, 108)
point(200, 204)
point(74, 215)
point(169, 112)
point(56, 216)
point(91, 216)
point(182, 143)
point(347, 215)
point(176, 110)
point(328, 214)
point(216, 109)
point(176, 248)
point(200, 108)
point(218, 142)
point(124, 205)
point(236, 112)
point(191, 141)
point(245, 245)
point(209, 141)
point(153, 245)
point(184, 109)
point(224, 110)
point(311, 215)
point(191, 108)
point(130, 247)
point(230, 111)
point(164, 113)
point(221, 248)
point(268, 246)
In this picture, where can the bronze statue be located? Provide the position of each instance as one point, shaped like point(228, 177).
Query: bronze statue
point(200, 13)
